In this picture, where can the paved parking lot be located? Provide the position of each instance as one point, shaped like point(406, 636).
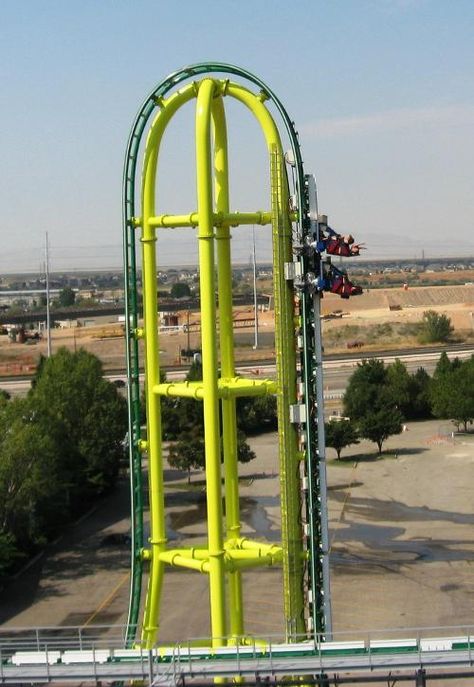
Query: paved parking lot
point(402, 545)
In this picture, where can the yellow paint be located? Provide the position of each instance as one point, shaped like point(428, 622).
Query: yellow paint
point(227, 388)
point(226, 553)
point(219, 219)
point(209, 361)
point(152, 363)
point(108, 600)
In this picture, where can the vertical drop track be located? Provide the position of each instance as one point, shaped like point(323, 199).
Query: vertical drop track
point(304, 510)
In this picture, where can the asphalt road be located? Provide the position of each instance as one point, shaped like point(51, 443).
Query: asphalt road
point(336, 371)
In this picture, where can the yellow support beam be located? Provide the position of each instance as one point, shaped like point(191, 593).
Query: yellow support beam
point(239, 386)
point(222, 219)
point(219, 219)
point(293, 567)
point(152, 363)
point(226, 553)
point(251, 545)
point(226, 388)
point(178, 560)
point(234, 559)
point(207, 91)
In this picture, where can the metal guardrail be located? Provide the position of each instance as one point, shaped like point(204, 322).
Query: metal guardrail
point(381, 668)
point(112, 636)
point(96, 653)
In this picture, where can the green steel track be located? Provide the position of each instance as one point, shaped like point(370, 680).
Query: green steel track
point(317, 579)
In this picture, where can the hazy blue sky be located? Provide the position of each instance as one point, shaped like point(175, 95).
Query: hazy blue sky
point(381, 92)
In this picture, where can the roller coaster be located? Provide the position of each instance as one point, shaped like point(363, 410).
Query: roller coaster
point(302, 244)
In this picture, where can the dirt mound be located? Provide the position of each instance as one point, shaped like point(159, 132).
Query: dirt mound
point(369, 300)
point(414, 297)
point(430, 296)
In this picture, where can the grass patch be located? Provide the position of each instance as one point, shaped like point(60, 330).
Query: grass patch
point(384, 335)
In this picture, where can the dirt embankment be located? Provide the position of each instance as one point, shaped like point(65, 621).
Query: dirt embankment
point(373, 307)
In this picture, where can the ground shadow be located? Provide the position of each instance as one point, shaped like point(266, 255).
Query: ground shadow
point(348, 485)
point(411, 451)
point(375, 457)
point(383, 541)
point(253, 513)
point(84, 555)
point(360, 458)
point(182, 476)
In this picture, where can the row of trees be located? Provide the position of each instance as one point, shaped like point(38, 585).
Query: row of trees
point(452, 391)
point(60, 448)
point(380, 398)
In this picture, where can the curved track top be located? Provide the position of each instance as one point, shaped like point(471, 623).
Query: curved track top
point(310, 325)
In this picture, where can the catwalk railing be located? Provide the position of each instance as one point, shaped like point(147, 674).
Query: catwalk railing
point(97, 653)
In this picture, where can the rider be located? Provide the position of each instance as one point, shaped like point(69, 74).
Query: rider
point(337, 244)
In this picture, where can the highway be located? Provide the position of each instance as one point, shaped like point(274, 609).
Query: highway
point(337, 370)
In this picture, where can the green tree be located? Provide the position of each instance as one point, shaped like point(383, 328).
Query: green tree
point(364, 388)
point(31, 501)
point(410, 392)
point(420, 398)
point(180, 290)
point(67, 297)
point(39, 367)
point(195, 372)
point(187, 454)
point(183, 415)
point(8, 552)
point(70, 391)
point(400, 384)
point(254, 414)
point(371, 402)
point(445, 365)
point(4, 396)
point(379, 424)
point(183, 422)
point(244, 452)
point(58, 447)
point(339, 434)
point(257, 414)
point(435, 327)
point(452, 393)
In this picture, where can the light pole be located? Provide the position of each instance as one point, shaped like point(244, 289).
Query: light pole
point(48, 319)
point(255, 304)
point(188, 339)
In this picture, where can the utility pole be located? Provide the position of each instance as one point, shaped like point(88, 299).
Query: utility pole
point(188, 334)
point(255, 304)
point(48, 319)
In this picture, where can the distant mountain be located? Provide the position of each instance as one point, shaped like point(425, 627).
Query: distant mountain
point(382, 246)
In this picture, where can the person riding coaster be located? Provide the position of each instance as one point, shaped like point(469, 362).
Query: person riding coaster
point(337, 281)
point(337, 244)
point(342, 285)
